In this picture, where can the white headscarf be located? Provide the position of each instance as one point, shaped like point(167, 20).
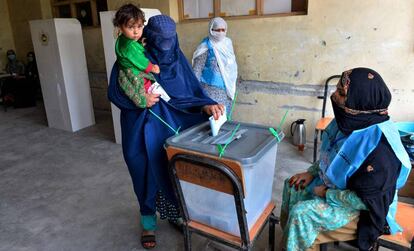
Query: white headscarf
point(224, 53)
point(217, 23)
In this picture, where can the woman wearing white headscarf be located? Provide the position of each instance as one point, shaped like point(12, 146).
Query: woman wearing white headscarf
point(214, 64)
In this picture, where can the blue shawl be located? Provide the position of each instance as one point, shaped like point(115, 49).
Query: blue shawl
point(341, 157)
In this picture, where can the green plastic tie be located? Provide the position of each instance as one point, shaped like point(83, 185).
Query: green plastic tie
point(274, 132)
point(165, 123)
point(282, 121)
point(232, 107)
point(279, 128)
point(220, 148)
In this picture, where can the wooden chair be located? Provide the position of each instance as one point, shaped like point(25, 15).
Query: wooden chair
point(405, 218)
point(404, 240)
point(224, 176)
point(401, 241)
point(323, 122)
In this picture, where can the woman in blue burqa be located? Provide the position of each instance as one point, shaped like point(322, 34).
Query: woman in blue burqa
point(143, 132)
point(351, 192)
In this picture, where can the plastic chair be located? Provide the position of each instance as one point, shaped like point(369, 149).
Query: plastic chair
point(216, 175)
point(323, 122)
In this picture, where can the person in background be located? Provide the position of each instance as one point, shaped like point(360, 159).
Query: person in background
point(14, 66)
point(11, 85)
point(143, 132)
point(32, 74)
point(214, 64)
point(135, 75)
point(351, 193)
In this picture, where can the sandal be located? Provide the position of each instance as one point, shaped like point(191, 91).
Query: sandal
point(148, 241)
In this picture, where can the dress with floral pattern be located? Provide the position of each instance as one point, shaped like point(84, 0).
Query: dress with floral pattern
point(304, 215)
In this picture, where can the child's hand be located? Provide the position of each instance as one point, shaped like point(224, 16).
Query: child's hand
point(143, 41)
point(155, 69)
point(152, 99)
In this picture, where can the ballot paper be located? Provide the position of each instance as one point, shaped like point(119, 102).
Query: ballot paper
point(216, 124)
point(156, 88)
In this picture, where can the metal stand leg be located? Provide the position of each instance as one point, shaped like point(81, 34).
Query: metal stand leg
point(315, 145)
point(244, 248)
point(323, 247)
point(271, 234)
point(187, 239)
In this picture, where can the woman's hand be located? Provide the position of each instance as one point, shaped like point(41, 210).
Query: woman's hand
point(152, 99)
point(300, 180)
point(215, 110)
point(320, 191)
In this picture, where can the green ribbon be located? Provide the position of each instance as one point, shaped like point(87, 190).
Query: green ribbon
point(232, 107)
point(165, 123)
point(279, 128)
point(282, 121)
point(274, 132)
point(220, 148)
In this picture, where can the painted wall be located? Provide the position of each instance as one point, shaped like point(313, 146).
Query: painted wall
point(162, 5)
point(21, 12)
point(46, 9)
point(6, 37)
point(284, 61)
point(95, 58)
point(94, 48)
point(168, 7)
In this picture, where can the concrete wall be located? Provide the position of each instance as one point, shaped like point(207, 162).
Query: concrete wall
point(21, 12)
point(95, 55)
point(94, 48)
point(95, 58)
point(46, 9)
point(6, 37)
point(284, 61)
point(162, 5)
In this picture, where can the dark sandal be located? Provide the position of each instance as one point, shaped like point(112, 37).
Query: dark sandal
point(148, 239)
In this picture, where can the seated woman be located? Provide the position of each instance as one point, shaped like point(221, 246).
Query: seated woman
point(143, 132)
point(352, 189)
point(32, 73)
point(14, 66)
point(16, 90)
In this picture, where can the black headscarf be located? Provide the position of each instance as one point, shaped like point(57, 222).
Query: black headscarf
point(367, 100)
point(31, 67)
point(366, 104)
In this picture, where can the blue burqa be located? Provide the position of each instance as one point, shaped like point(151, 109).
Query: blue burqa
point(143, 134)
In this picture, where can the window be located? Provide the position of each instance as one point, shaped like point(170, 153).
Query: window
point(86, 11)
point(204, 9)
